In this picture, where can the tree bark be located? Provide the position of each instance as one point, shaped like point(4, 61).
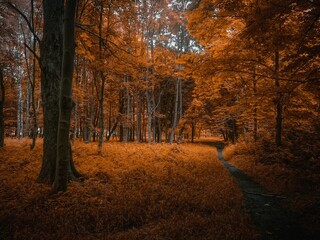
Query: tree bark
point(33, 104)
point(109, 121)
point(28, 96)
point(255, 119)
point(101, 120)
point(149, 106)
point(127, 122)
point(91, 126)
point(33, 82)
point(138, 115)
point(175, 114)
point(66, 103)
point(75, 128)
point(279, 102)
point(20, 106)
point(50, 62)
point(192, 131)
point(103, 80)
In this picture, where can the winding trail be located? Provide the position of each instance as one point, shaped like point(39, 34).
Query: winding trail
point(272, 220)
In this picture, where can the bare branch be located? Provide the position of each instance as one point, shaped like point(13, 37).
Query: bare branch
point(12, 6)
point(104, 39)
point(33, 52)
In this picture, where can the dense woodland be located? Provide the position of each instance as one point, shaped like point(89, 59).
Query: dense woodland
point(158, 71)
point(90, 88)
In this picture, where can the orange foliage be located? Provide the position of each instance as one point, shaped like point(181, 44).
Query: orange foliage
point(132, 191)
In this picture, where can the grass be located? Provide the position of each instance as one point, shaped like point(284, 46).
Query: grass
point(131, 191)
point(283, 174)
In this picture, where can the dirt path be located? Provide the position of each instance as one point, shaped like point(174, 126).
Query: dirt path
point(272, 220)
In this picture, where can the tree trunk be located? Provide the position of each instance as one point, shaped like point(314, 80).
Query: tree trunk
point(192, 131)
point(279, 102)
point(138, 114)
point(33, 104)
point(175, 114)
point(133, 127)
point(149, 107)
point(224, 134)
point(255, 119)
point(121, 113)
point(103, 79)
point(101, 120)
point(51, 57)
point(126, 137)
point(91, 126)
point(20, 107)
point(66, 103)
point(75, 128)
point(109, 121)
point(33, 83)
point(28, 96)
point(279, 121)
point(180, 108)
point(2, 99)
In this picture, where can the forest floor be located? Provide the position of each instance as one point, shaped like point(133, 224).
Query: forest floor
point(131, 191)
point(136, 191)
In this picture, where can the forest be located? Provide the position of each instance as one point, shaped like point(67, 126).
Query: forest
point(159, 119)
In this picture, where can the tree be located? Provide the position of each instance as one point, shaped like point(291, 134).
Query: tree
point(7, 66)
point(250, 44)
point(51, 62)
point(66, 103)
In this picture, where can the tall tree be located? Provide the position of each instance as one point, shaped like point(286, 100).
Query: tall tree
point(50, 63)
point(65, 103)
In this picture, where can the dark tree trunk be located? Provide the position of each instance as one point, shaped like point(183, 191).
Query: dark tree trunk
point(50, 61)
point(279, 122)
point(279, 101)
point(255, 119)
point(103, 80)
point(109, 121)
point(121, 133)
point(33, 83)
point(138, 114)
point(121, 111)
point(2, 99)
point(224, 134)
point(112, 130)
point(193, 128)
point(66, 104)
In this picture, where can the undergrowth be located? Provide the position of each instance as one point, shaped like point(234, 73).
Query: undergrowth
point(131, 191)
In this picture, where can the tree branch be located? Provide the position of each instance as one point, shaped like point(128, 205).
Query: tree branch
point(103, 39)
point(33, 52)
point(12, 6)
